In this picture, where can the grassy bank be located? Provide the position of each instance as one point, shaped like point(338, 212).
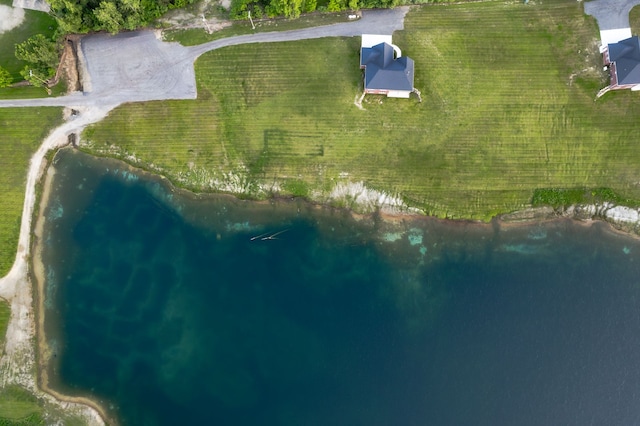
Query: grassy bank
point(22, 130)
point(508, 108)
point(18, 407)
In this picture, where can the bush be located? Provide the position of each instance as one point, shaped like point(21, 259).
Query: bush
point(5, 78)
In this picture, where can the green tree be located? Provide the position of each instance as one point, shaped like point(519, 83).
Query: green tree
point(336, 5)
point(310, 5)
point(82, 16)
point(5, 78)
point(109, 17)
point(38, 50)
point(41, 55)
point(35, 76)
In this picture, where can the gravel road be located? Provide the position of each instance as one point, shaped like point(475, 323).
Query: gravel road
point(612, 17)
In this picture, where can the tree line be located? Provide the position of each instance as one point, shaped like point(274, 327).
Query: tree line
point(82, 16)
point(294, 8)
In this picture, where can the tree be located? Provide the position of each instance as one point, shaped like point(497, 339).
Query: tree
point(34, 76)
point(38, 50)
point(109, 17)
point(336, 5)
point(42, 56)
point(5, 77)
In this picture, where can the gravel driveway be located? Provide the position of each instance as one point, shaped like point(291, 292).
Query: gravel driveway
point(612, 17)
point(136, 66)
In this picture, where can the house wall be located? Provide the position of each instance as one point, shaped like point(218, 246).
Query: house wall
point(390, 93)
point(398, 94)
point(375, 92)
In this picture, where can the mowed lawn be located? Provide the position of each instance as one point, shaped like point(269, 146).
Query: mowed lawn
point(508, 107)
point(34, 22)
point(21, 133)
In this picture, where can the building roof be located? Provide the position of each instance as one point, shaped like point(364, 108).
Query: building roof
point(626, 55)
point(385, 72)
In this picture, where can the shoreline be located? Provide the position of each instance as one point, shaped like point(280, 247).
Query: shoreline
point(18, 363)
point(44, 351)
point(32, 310)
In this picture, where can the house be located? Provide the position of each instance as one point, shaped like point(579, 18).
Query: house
point(386, 71)
point(623, 60)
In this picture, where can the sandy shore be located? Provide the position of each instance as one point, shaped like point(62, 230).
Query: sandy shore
point(18, 363)
point(44, 351)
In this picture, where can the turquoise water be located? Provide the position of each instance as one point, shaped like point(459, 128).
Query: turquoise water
point(167, 309)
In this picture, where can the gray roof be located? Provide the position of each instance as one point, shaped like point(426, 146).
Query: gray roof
point(626, 55)
point(383, 71)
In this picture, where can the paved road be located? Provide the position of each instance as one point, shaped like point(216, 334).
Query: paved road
point(135, 67)
point(612, 17)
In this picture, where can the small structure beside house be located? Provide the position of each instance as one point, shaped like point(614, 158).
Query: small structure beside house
point(623, 60)
point(386, 71)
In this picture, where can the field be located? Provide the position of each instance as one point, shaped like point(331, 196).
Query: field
point(508, 107)
point(22, 130)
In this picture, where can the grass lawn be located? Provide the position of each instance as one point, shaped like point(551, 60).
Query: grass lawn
point(21, 132)
point(5, 315)
point(34, 23)
point(18, 407)
point(508, 107)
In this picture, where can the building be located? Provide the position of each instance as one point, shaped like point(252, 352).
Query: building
point(623, 60)
point(386, 71)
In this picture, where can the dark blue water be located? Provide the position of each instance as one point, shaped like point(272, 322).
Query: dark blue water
point(164, 308)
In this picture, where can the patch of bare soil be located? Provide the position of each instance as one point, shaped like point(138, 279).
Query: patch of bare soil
point(10, 18)
point(68, 67)
point(203, 15)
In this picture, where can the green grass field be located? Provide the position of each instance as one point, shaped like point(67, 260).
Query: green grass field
point(508, 108)
point(21, 132)
point(19, 407)
point(34, 23)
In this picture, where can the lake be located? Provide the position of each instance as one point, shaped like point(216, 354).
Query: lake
point(171, 308)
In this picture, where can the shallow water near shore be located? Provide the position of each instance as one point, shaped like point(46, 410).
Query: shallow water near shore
point(175, 309)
